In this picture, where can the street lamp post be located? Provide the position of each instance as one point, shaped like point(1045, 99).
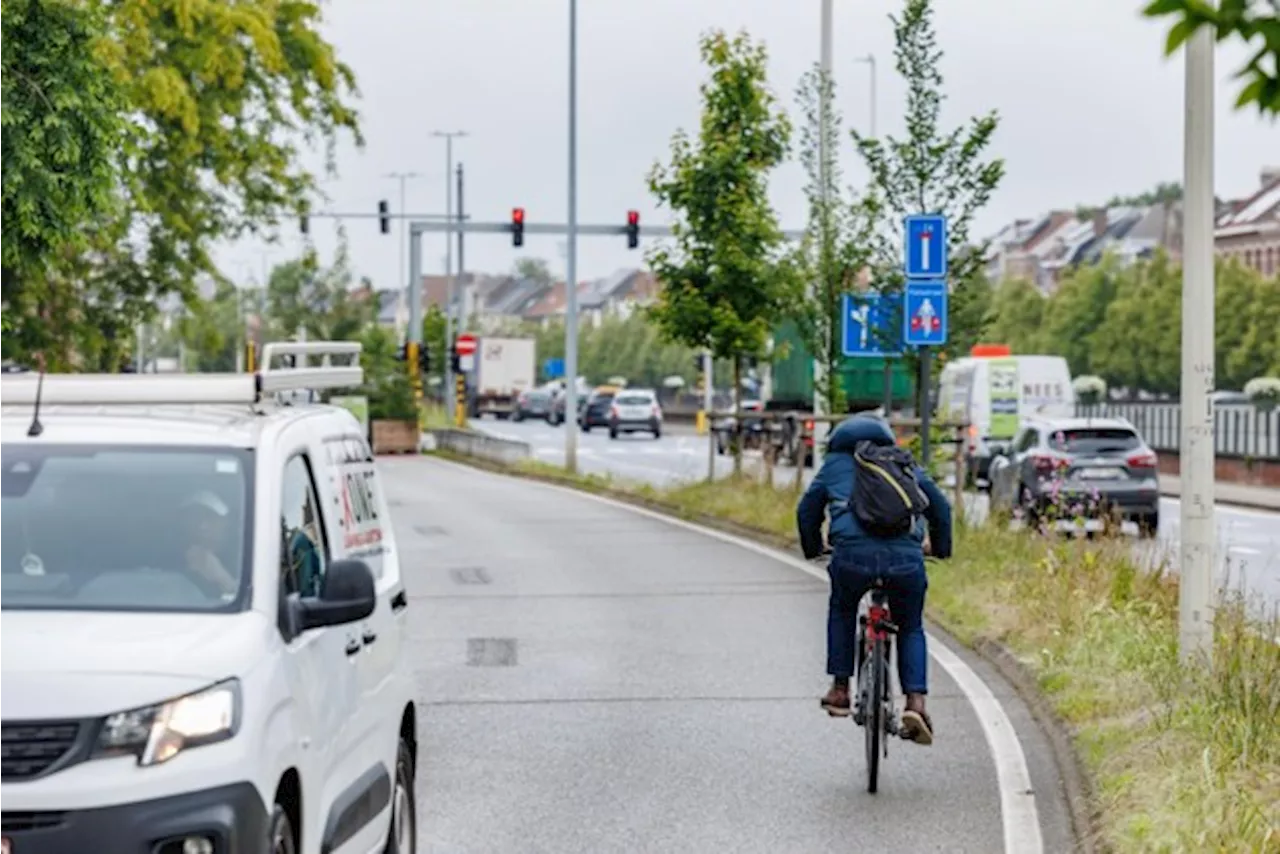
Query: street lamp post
point(870, 60)
point(415, 311)
point(403, 177)
point(571, 260)
point(825, 63)
point(1196, 593)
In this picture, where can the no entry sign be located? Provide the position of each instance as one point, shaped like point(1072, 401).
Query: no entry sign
point(466, 345)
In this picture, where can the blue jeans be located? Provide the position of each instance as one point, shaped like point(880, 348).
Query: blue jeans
point(853, 573)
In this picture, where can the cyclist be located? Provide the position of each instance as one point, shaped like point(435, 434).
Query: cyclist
point(859, 558)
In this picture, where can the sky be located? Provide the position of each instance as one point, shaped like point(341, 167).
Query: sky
point(1090, 107)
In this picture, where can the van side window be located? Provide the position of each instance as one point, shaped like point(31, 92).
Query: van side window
point(304, 554)
point(1027, 441)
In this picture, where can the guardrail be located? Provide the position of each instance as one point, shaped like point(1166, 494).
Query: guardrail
point(1240, 430)
point(483, 446)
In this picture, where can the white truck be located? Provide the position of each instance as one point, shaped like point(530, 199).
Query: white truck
point(504, 368)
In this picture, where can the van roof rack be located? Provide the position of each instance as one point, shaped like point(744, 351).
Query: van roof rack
point(296, 374)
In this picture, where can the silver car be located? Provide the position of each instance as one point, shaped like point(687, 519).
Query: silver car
point(635, 411)
point(1078, 467)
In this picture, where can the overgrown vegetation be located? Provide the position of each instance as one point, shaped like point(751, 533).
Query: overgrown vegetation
point(1183, 758)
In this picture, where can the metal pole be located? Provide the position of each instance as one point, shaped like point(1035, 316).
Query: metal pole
point(461, 404)
point(1196, 595)
point(403, 177)
point(448, 262)
point(925, 408)
point(571, 259)
point(414, 333)
point(708, 406)
point(448, 258)
point(824, 178)
point(461, 259)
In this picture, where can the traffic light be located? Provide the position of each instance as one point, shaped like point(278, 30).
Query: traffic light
point(412, 351)
point(633, 229)
point(424, 358)
point(402, 355)
point(384, 216)
point(517, 226)
point(303, 225)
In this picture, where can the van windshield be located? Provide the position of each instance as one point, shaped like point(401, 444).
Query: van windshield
point(113, 528)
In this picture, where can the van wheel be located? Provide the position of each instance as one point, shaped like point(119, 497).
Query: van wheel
point(403, 836)
point(280, 833)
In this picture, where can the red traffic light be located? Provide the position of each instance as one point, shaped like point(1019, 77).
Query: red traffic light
point(633, 217)
point(517, 216)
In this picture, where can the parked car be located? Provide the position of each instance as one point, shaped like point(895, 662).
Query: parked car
point(1088, 467)
point(594, 411)
point(560, 396)
point(534, 403)
point(635, 411)
point(191, 605)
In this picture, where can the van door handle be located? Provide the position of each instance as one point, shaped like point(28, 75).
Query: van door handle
point(399, 602)
point(353, 646)
point(369, 636)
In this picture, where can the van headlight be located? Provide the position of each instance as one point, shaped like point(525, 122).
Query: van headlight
point(160, 732)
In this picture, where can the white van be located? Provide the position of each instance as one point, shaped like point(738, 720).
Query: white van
point(992, 394)
point(204, 617)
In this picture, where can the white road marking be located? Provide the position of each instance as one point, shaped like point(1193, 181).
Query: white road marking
point(1018, 810)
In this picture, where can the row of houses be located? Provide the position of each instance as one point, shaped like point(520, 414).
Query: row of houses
point(1042, 250)
point(491, 302)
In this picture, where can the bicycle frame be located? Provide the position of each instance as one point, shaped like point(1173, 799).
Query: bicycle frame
point(875, 710)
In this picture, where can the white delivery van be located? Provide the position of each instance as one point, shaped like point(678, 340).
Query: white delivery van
point(992, 394)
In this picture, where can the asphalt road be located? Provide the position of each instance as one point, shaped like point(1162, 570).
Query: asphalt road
point(593, 679)
point(1248, 556)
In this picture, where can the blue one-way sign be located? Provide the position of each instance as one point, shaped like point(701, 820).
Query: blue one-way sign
point(925, 254)
point(925, 314)
point(869, 323)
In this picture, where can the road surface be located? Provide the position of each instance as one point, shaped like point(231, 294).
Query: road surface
point(1248, 540)
point(593, 679)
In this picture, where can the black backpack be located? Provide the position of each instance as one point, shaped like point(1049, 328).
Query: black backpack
point(886, 497)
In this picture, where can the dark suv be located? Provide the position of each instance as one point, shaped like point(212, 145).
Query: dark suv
point(1086, 467)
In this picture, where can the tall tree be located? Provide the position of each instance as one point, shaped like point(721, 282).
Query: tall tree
point(1247, 20)
point(725, 280)
point(64, 125)
point(219, 102)
point(932, 169)
point(837, 245)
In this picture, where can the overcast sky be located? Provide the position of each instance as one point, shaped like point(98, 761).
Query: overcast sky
point(1089, 108)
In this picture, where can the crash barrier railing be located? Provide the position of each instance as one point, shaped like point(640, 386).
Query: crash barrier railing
point(485, 447)
point(788, 438)
point(1240, 429)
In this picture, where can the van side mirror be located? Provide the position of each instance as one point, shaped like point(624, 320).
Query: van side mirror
point(347, 594)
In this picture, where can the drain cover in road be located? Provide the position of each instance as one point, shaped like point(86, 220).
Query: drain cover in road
point(491, 652)
point(470, 575)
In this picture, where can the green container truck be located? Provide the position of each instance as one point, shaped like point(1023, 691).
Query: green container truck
point(862, 378)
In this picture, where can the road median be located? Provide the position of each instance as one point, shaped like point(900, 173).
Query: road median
point(1174, 757)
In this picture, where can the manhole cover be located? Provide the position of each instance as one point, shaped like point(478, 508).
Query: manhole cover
point(491, 652)
point(470, 575)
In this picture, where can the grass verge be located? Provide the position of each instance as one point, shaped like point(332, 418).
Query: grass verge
point(1181, 757)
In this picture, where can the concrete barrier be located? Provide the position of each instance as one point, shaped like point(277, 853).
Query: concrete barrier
point(474, 444)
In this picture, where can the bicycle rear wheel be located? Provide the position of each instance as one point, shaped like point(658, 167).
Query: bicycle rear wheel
point(873, 726)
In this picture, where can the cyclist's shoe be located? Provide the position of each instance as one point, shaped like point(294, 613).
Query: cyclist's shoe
point(836, 702)
point(917, 727)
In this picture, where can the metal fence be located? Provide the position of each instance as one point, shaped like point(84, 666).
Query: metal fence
point(1240, 430)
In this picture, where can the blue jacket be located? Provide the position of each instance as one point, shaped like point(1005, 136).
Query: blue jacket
point(832, 488)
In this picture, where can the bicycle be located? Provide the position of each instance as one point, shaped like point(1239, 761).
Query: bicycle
point(875, 711)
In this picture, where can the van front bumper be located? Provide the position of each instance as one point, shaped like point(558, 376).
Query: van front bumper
point(233, 818)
